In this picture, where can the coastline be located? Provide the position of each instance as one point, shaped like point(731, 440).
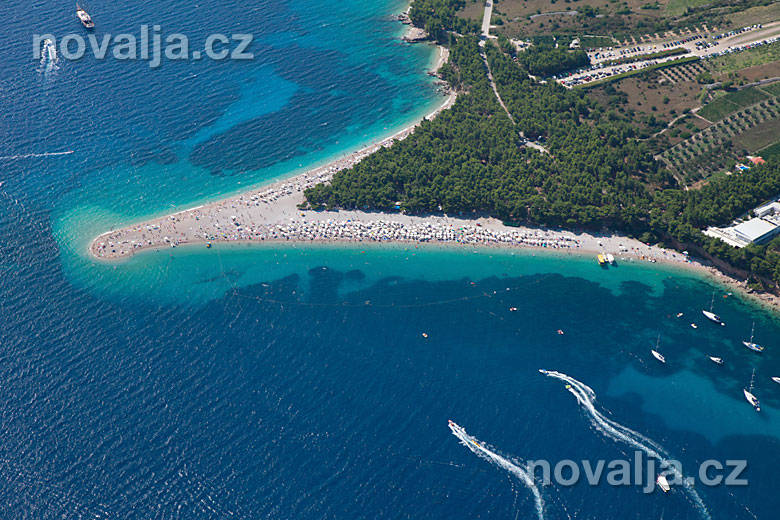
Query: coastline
point(269, 214)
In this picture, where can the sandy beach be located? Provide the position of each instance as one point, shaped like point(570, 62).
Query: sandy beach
point(270, 214)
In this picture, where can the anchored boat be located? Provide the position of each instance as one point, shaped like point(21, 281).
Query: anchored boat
point(711, 315)
point(755, 347)
point(84, 17)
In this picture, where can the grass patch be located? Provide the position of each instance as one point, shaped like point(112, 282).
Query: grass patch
point(744, 59)
point(760, 136)
point(731, 102)
point(771, 151)
point(773, 89)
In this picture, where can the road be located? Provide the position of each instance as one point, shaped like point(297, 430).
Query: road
point(486, 19)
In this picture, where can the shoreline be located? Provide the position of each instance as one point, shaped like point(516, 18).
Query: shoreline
point(269, 214)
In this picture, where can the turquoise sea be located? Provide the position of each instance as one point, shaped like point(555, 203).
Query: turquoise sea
point(294, 381)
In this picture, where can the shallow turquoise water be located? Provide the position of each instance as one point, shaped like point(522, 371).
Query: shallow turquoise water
point(295, 382)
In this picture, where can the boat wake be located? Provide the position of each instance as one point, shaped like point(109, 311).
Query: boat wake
point(617, 432)
point(33, 155)
point(49, 57)
point(483, 451)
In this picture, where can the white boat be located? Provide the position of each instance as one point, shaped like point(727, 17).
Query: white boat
point(657, 355)
point(711, 315)
point(752, 399)
point(663, 483)
point(694, 326)
point(610, 258)
point(755, 347)
point(776, 380)
point(717, 360)
point(679, 314)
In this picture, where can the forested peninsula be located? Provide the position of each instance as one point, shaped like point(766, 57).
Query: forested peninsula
point(472, 160)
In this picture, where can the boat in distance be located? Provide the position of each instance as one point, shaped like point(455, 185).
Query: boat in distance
point(776, 380)
point(716, 360)
point(84, 17)
point(663, 483)
point(657, 355)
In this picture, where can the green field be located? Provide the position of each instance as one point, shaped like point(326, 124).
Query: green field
point(772, 89)
point(770, 151)
point(749, 58)
point(730, 103)
point(678, 7)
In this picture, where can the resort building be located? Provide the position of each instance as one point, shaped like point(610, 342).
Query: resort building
point(757, 230)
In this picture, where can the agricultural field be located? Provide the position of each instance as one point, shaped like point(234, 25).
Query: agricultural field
point(718, 147)
point(722, 66)
point(624, 21)
point(728, 103)
point(653, 99)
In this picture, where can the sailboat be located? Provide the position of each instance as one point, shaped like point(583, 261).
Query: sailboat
point(755, 347)
point(752, 399)
point(711, 315)
point(657, 355)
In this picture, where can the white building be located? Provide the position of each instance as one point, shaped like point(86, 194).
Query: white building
point(756, 231)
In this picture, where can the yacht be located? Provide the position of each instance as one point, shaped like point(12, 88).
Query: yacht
point(716, 360)
point(657, 355)
point(755, 347)
point(84, 18)
point(711, 315)
point(752, 399)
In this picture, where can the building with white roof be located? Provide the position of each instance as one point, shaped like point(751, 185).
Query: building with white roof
point(756, 230)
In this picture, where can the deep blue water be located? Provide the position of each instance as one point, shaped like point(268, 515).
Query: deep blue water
point(296, 382)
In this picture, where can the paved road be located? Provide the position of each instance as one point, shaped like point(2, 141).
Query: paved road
point(486, 18)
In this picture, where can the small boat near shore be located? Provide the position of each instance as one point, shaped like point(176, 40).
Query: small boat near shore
point(663, 483)
point(601, 259)
point(711, 315)
point(611, 259)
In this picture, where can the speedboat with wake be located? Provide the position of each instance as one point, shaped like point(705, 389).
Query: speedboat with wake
point(711, 315)
point(755, 347)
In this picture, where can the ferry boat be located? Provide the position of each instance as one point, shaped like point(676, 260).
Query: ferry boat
point(84, 18)
point(755, 347)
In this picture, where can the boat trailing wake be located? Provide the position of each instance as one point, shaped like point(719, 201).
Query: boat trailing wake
point(617, 432)
point(33, 155)
point(49, 57)
point(483, 451)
